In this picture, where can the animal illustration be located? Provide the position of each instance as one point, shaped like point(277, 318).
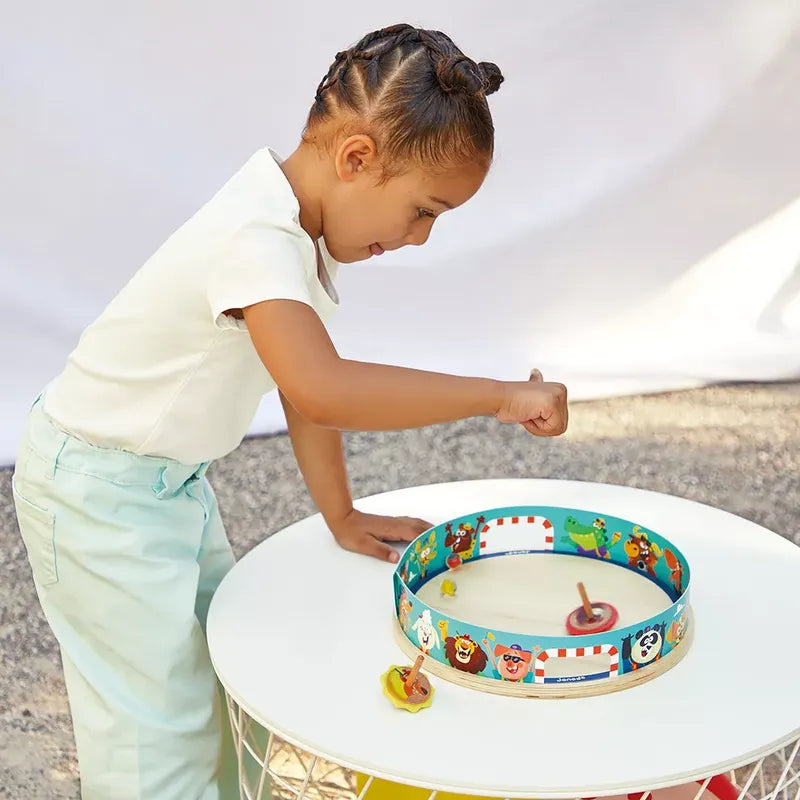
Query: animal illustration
point(676, 570)
point(462, 652)
point(511, 663)
point(589, 539)
point(404, 610)
point(677, 630)
point(645, 647)
point(461, 542)
point(426, 634)
point(642, 553)
point(425, 552)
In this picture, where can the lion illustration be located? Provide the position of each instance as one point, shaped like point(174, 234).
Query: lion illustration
point(462, 652)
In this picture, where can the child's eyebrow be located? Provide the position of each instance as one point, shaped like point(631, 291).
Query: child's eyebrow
point(440, 202)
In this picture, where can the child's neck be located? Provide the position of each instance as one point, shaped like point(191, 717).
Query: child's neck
point(304, 171)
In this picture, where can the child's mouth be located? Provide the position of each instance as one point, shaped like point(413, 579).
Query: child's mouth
point(376, 249)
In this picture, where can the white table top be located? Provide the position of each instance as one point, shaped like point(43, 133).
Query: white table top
point(300, 631)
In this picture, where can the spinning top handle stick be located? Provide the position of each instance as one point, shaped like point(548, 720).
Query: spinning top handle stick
point(587, 606)
point(412, 676)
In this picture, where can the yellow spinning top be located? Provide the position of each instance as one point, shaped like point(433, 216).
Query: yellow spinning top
point(447, 588)
point(407, 687)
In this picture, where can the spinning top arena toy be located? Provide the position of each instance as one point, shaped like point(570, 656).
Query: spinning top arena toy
point(517, 569)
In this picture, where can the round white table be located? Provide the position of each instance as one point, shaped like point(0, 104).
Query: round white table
point(300, 631)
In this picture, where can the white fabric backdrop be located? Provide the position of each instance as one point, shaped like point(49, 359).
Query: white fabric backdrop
point(640, 229)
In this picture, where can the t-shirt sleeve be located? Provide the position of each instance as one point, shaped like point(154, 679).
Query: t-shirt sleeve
point(259, 263)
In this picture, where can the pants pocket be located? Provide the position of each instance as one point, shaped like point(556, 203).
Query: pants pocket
point(37, 527)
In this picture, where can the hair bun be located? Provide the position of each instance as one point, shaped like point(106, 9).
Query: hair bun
point(492, 77)
point(459, 74)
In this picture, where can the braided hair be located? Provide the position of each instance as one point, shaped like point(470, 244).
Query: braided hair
point(418, 95)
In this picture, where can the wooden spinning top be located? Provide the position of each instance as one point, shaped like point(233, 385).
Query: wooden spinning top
point(407, 687)
point(591, 617)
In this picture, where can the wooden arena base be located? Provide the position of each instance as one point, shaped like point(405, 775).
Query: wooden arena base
point(521, 593)
point(552, 690)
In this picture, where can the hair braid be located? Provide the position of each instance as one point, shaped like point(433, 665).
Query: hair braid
point(432, 109)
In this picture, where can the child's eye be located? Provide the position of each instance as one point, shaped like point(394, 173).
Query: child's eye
point(425, 212)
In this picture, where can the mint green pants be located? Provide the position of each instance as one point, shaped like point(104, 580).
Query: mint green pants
point(126, 552)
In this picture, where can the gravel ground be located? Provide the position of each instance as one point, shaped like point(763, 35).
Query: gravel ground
point(734, 447)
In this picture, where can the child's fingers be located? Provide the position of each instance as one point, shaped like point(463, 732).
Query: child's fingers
point(413, 527)
point(401, 529)
point(540, 427)
point(384, 552)
point(368, 545)
point(536, 376)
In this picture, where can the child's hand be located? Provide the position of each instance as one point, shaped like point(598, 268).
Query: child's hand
point(368, 533)
point(541, 408)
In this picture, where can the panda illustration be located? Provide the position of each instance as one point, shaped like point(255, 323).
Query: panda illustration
point(645, 647)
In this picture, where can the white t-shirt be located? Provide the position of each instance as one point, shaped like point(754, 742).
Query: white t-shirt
point(164, 371)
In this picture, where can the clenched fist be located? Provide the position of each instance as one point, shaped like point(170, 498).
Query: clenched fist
point(540, 407)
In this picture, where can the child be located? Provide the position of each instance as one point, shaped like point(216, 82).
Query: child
point(122, 528)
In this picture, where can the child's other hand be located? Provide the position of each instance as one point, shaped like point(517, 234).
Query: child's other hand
point(368, 533)
point(540, 407)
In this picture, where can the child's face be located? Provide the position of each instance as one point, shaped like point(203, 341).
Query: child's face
point(362, 217)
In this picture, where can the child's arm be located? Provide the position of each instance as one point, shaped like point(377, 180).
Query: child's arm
point(320, 456)
point(351, 395)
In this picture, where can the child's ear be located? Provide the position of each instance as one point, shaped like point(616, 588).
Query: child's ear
point(356, 155)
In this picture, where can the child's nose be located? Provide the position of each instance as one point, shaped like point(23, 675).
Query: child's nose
point(418, 235)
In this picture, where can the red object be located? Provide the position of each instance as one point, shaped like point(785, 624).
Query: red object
point(720, 786)
point(606, 617)
point(453, 561)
